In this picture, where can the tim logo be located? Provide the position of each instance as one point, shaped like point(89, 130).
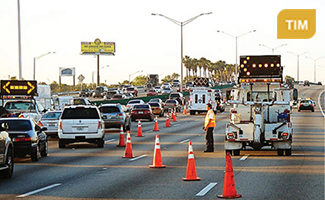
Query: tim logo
point(296, 23)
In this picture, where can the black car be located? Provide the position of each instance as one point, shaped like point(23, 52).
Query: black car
point(306, 82)
point(28, 138)
point(306, 105)
point(99, 92)
point(85, 92)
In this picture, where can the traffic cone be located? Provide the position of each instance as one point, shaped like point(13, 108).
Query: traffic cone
point(167, 120)
point(229, 189)
point(122, 142)
point(156, 125)
point(190, 171)
point(157, 162)
point(139, 130)
point(128, 149)
point(174, 116)
point(184, 110)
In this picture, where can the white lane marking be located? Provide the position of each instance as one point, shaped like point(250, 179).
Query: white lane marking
point(185, 141)
point(39, 190)
point(206, 189)
point(107, 141)
point(177, 124)
point(136, 158)
point(244, 157)
point(319, 103)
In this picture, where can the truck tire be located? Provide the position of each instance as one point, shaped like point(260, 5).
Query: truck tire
point(280, 152)
point(7, 173)
point(288, 152)
point(236, 152)
point(61, 144)
point(100, 143)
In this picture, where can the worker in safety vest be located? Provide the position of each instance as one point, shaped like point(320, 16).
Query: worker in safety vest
point(209, 124)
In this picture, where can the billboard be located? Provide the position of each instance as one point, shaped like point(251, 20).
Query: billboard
point(17, 87)
point(97, 47)
point(67, 71)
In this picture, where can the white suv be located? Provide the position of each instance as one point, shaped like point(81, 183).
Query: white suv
point(81, 123)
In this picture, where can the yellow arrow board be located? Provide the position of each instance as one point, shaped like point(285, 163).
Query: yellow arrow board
point(15, 87)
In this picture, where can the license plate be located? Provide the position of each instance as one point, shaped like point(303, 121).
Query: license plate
point(80, 128)
point(140, 112)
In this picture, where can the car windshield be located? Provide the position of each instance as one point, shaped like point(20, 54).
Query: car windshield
point(141, 107)
point(174, 95)
point(18, 125)
point(109, 109)
point(171, 101)
point(129, 89)
point(154, 104)
point(22, 106)
point(134, 102)
point(79, 102)
point(52, 115)
point(306, 101)
point(117, 96)
point(80, 113)
point(154, 100)
point(152, 90)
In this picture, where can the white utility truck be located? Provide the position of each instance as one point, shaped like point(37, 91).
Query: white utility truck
point(200, 95)
point(261, 107)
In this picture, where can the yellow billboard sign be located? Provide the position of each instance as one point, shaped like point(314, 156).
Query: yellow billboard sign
point(98, 46)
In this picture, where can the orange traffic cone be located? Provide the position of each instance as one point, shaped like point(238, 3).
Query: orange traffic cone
point(167, 120)
point(190, 171)
point(139, 130)
point(122, 142)
point(156, 125)
point(184, 110)
point(229, 189)
point(157, 162)
point(128, 149)
point(174, 116)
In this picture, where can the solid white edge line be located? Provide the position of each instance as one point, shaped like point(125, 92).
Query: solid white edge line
point(206, 189)
point(244, 157)
point(136, 158)
point(39, 190)
point(320, 106)
point(185, 141)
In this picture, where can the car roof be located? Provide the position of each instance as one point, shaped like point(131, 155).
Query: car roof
point(110, 104)
point(85, 106)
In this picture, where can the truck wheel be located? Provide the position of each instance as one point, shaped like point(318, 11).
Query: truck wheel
point(280, 152)
point(61, 144)
point(7, 173)
point(229, 151)
point(288, 152)
point(236, 152)
point(35, 155)
point(100, 143)
point(44, 152)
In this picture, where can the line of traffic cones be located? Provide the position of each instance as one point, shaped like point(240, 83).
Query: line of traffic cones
point(229, 189)
point(128, 149)
point(122, 141)
point(157, 161)
point(139, 133)
point(190, 170)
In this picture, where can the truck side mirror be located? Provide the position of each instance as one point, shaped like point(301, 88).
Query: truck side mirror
point(295, 94)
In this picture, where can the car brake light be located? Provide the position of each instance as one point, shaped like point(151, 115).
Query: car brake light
point(22, 139)
point(100, 126)
point(284, 135)
point(233, 111)
point(119, 114)
point(40, 123)
point(60, 125)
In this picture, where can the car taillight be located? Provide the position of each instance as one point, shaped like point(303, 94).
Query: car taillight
point(40, 123)
point(22, 139)
point(100, 126)
point(133, 111)
point(119, 114)
point(60, 125)
point(284, 135)
point(233, 111)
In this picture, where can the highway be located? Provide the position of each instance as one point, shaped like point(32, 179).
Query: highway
point(83, 171)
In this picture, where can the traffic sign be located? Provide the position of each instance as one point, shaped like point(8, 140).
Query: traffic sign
point(17, 87)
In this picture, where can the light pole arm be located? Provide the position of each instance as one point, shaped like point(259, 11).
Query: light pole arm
point(193, 18)
point(38, 57)
point(170, 19)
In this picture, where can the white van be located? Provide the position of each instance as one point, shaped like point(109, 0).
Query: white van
point(199, 97)
point(44, 96)
point(58, 103)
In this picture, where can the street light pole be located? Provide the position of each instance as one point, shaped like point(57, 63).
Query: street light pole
point(34, 64)
point(181, 24)
point(19, 43)
point(236, 39)
point(315, 65)
point(298, 61)
point(273, 48)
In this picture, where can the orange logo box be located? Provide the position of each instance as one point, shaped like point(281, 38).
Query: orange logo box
point(296, 23)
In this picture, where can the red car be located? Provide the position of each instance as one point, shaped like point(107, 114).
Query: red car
point(152, 92)
point(141, 111)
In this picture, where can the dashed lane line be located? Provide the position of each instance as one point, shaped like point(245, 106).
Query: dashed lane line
point(206, 189)
point(185, 141)
point(39, 190)
point(108, 141)
point(244, 157)
point(136, 158)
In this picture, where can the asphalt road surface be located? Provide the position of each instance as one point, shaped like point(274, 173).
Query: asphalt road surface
point(84, 171)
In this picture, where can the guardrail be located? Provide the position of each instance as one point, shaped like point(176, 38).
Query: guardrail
point(321, 102)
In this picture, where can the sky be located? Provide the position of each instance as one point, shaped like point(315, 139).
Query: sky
point(148, 43)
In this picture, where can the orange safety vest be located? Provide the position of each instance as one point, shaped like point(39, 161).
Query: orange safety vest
point(213, 120)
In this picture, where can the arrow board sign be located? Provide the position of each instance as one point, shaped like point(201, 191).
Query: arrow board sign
point(15, 87)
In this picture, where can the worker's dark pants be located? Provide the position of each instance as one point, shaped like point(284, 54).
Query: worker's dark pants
point(209, 139)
